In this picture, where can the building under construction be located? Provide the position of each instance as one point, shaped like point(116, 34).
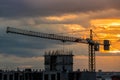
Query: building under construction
point(58, 66)
point(59, 60)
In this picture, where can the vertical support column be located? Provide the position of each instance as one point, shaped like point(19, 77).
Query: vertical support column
point(89, 58)
point(91, 54)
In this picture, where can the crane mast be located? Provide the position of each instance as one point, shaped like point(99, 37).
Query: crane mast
point(93, 45)
point(91, 56)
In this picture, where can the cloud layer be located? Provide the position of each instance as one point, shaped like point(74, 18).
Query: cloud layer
point(29, 8)
point(53, 16)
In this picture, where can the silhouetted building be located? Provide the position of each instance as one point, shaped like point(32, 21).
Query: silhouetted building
point(58, 66)
point(59, 61)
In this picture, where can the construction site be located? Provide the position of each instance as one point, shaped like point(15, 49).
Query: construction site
point(58, 64)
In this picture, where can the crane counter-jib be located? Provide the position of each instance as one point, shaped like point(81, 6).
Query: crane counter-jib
point(46, 35)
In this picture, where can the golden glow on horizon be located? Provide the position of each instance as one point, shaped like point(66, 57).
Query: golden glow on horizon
point(115, 24)
point(108, 29)
point(115, 51)
point(118, 35)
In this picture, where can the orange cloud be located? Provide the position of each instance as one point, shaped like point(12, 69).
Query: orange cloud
point(108, 29)
point(106, 22)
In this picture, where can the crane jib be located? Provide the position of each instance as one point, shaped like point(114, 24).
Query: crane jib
point(57, 37)
point(46, 35)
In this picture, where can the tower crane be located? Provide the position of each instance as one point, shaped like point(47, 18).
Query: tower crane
point(93, 45)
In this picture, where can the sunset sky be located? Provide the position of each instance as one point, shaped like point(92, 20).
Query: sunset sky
point(64, 17)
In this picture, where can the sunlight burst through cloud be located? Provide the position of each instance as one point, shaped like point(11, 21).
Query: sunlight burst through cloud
point(108, 29)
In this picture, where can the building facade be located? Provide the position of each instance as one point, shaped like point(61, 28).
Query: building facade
point(58, 61)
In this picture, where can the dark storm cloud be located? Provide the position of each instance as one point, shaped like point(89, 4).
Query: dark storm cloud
point(25, 47)
point(22, 8)
point(18, 45)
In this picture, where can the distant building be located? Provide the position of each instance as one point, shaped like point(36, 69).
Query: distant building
point(115, 77)
point(107, 75)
